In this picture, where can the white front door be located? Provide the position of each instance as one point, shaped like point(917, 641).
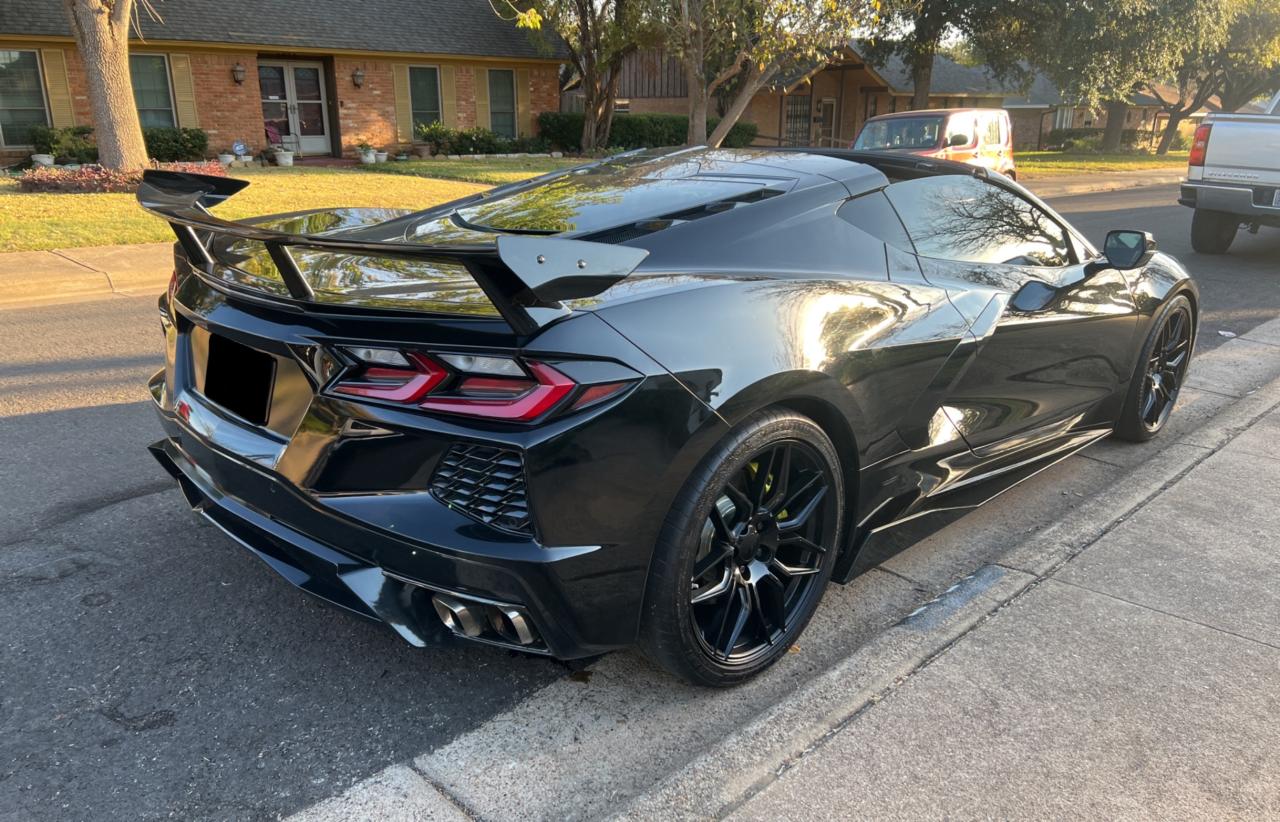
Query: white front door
point(293, 105)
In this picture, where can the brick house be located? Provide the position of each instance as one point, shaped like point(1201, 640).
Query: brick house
point(323, 74)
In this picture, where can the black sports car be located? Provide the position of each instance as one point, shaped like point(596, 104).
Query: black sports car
point(660, 399)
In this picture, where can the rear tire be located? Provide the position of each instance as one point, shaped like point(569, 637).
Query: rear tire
point(1213, 231)
point(1153, 390)
point(745, 552)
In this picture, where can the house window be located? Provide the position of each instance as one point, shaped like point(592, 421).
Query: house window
point(502, 102)
point(424, 95)
point(798, 120)
point(150, 74)
point(21, 97)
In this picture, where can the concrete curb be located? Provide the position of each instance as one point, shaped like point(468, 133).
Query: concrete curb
point(747, 761)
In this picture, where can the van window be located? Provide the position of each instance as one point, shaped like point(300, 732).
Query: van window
point(961, 125)
point(991, 135)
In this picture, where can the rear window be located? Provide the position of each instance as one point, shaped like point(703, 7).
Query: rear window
point(585, 203)
point(901, 132)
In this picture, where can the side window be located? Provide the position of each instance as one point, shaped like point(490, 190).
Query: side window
point(962, 218)
point(991, 134)
point(873, 214)
point(964, 126)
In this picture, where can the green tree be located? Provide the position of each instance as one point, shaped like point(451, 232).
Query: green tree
point(996, 31)
point(730, 49)
point(101, 30)
point(1250, 60)
point(598, 35)
point(1098, 52)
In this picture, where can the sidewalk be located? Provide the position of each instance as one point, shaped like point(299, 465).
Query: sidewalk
point(68, 274)
point(1131, 672)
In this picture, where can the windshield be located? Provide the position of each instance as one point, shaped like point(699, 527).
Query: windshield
point(901, 132)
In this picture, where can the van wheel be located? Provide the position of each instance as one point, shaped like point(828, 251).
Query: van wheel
point(1213, 231)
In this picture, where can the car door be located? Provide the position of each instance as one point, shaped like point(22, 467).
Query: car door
point(1052, 331)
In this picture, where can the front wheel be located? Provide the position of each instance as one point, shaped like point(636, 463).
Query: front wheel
point(745, 552)
point(1212, 232)
point(1153, 390)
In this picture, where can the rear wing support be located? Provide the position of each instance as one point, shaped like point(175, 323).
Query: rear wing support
point(526, 277)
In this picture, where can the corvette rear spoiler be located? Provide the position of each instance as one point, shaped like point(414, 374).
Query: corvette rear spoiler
point(525, 277)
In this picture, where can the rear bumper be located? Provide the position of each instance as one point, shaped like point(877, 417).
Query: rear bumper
point(1250, 203)
point(380, 576)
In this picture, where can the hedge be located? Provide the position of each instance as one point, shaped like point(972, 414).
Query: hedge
point(1060, 136)
point(444, 140)
point(96, 179)
point(75, 144)
point(564, 130)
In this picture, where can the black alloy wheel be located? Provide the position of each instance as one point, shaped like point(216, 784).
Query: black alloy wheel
point(747, 551)
point(1166, 367)
point(1154, 390)
point(761, 552)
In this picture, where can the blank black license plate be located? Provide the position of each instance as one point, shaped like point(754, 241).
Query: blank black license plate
point(239, 379)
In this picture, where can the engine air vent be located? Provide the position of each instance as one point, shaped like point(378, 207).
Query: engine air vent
point(486, 484)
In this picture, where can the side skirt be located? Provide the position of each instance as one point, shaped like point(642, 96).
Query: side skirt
point(875, 539)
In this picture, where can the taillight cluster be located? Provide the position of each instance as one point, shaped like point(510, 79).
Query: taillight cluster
point(1199, 145)
point(487, 386)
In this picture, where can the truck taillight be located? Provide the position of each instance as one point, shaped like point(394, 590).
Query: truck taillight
point(488, 386)
point(1199, 145)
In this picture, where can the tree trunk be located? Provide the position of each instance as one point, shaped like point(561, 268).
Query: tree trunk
point(1170, 131)
point(101, 32)
point(697, 135)
point(751, 81)
point(921, 79)
point(1114, 133)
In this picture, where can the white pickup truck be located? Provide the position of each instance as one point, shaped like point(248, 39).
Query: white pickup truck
point(1233, 177)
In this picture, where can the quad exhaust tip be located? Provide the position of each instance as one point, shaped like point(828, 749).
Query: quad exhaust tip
point(477, 620)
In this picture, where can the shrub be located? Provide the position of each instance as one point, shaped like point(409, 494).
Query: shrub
point(564, 129)
point(96, 179)
point(444, 140)
point(1083, 137)
point(170, 145)
point(73, 144)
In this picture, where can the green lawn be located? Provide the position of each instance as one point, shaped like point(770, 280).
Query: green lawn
point(1045, 163)
point(494, 172)
point(32, 222)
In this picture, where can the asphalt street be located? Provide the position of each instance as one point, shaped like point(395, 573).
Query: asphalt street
point(149, 668)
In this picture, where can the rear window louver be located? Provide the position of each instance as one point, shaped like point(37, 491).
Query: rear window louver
point(630, 231)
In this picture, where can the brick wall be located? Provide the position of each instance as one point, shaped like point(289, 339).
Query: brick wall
point(544, 90)
point(1030, 127)
point(226, 111)
point(368, 112)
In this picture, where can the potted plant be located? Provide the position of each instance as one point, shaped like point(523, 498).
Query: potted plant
point(283, 157)
point(366, 151)
point(42, 159)
point(226, 158)
point(380, 156)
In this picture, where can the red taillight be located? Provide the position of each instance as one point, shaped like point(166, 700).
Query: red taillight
point(1199, 145)
point(475, 396)
point(395, 384)
point(490, 387)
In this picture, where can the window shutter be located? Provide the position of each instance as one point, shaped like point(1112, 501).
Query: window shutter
point(404, 103)
point(61, 112)
point(524, 108)
point(482, 98)
point(448, 97)
point(184, 91)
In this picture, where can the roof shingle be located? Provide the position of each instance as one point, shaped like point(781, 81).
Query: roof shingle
point(462, 27)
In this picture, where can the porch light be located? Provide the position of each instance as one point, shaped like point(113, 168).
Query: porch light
point(237, 74)
point(357, 77)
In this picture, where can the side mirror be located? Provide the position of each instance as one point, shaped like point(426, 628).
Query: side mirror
point(958, 140)
point(1128, 249)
